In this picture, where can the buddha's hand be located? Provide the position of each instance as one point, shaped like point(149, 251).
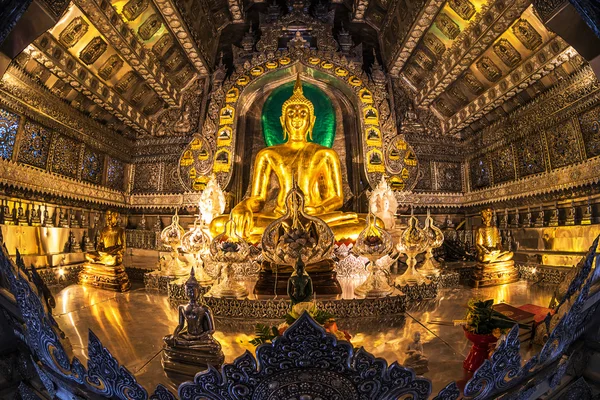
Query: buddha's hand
point(242, 215)
point(314, 210)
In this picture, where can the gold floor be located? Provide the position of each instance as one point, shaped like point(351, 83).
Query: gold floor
point(131, 325)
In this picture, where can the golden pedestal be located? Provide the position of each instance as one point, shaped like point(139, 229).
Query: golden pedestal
point(105, 277)
point(492, 274)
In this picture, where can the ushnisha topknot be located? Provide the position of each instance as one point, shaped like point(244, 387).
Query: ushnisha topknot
point(297, 97)
point(192, 281)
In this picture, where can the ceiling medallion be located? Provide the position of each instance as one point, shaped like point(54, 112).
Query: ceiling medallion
point(464, 8)
point(150, 27)
point(134, 8)
point(447, 26)
point(472, 83)
point(93, 50)
point(162, 45)
point(76, 29)
point(490, 70)
point(126, 82)
point(110, 67)
point(507, 53)
point(434, 44)
point(527, 34)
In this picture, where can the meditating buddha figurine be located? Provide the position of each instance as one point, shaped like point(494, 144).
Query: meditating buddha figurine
point(192, 348)
point(111, 244)
point(489, 242)
point(104, 266)
point(315, 168)
point(300, 287)
point(495, 265)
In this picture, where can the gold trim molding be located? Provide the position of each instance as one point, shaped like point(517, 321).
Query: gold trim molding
point(30, 178)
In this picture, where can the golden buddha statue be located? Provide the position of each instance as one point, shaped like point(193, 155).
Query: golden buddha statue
point(104, 266)
point(495, 265)
point(489, 242)
point(316, 170)
point(111, 245)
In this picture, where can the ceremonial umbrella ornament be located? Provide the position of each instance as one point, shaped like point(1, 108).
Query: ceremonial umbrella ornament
point(196, 242)
point(435, 238)
point(171, 237)
point(374, 243)
point(228, 248)
point(413, 241)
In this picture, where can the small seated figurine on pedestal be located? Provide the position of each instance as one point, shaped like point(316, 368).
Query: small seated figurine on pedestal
point(494, 265)
point(104, 268)
point(191, 348)
point(300, 288)
point(416, 359)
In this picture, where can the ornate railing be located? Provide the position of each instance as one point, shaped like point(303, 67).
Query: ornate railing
point(305, 360)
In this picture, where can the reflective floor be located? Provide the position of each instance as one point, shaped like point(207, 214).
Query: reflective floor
point(131, 325)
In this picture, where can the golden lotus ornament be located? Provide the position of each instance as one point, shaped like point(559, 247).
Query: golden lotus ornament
point(196, 242)
point(374, 243)
point(435, 238)
point(413, 241)
point(297, 235)
point(228, 248)
point(171, 237)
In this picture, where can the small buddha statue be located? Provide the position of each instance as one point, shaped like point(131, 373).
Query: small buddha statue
point(88, 246)
point(415, 358)
point(488, 241)
point(300, 288)
point(192, 347)
point(316, 170)
point(74, 244)
point(111, 243)
point(495, 265)
point(63, 220)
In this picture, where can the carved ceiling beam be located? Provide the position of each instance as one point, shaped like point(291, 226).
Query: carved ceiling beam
point(236, 11)
point(574, 22)
point(418, 29)
point(52, 55)
point(564, 100)
point(118, 34)
point(488, 26)
point(360, 8)
point(26, 96)
point(30, 178)
point(555, 53)
point(175, 22)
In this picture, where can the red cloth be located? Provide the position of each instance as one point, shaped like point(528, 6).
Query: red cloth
point(540, 312)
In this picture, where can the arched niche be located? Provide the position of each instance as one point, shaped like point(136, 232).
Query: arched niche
point(347, 140)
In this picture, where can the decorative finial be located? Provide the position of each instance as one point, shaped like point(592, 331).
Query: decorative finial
point(298, 85)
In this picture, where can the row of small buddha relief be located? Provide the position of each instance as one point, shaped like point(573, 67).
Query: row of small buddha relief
point(539, 217)
point(27, 213)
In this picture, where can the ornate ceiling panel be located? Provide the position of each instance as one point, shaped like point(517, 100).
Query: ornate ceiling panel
point(466, 41)
point(474, 58)
point(131, 59)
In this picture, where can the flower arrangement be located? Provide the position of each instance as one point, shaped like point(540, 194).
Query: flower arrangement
point(482, 319)
point(265, 333)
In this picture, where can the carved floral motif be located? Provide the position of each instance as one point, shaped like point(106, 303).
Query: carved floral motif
point(9, 124)
point(65, 156)
point(35, 144)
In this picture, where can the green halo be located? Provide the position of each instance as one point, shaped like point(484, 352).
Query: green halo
point(324, 129)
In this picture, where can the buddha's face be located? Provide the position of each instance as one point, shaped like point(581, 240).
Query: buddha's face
point(486, 216)
point(297, 121)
